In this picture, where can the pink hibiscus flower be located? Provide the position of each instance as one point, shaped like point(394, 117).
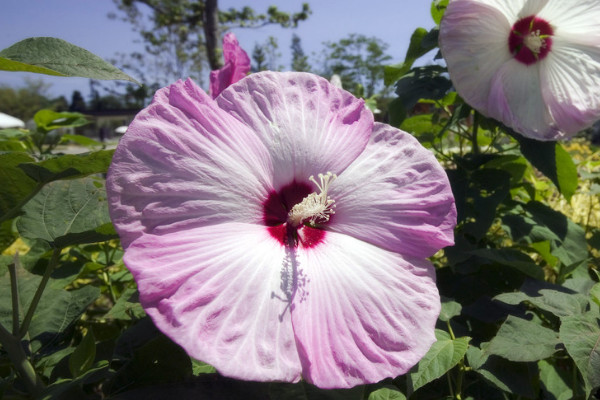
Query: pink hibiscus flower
point(277, 232)
point(237, 66)
point(534, 65)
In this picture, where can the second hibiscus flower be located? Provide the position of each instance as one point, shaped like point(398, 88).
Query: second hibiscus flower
point(532, 64)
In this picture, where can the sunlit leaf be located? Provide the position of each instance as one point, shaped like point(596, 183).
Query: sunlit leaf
point(68, 166)
point(441, 357)
point(52, 56)
point(66, 212)
point(581, 336)
point(522, 340)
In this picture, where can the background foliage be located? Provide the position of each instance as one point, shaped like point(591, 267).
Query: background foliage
point(520, 294)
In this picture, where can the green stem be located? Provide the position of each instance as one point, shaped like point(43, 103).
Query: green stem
point(14, 290)
point(475, 130)
point(38, 293)
point(12, 346)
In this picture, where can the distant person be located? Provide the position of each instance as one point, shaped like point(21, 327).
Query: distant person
point(103, 133)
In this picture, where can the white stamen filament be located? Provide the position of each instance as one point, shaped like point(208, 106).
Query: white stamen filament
point(316, 207)
point(534, 42)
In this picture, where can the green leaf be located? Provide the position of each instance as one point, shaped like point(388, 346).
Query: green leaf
point(128, 306)
point(553, 161)
point(11, 133)
point(48, 120)
point(539, 222)
point(522, 340)
point(387, 393)
point(420, 83)
point(450, 309)
point(595, 293)
point(555, 381)
point(438, 8)
point(511, 258)
point(56, 311)
point(417, 124)
point(69, 166)
point(72, 388)
point(441, 358)
point(581, 336)
point(81, 140)
point(64, 213)
point(559, 303)
point(421, 43)
point(199, 367)
point(16, 185)
point(82, 358)
point(52, 56)
point(512, 377)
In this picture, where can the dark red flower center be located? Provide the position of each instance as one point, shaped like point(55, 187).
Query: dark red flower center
point(276, 209)
point(530, 39)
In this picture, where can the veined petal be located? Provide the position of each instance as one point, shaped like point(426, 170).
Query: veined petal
point(574, 21)
point(516, 100)
point(474, 42)
point(364, 313)
point(395, 195)
point(571, 87)
point(217, 292)
point(308, 125)
point(183, 162)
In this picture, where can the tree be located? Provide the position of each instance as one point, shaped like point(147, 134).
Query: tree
point(359, 61)
point(24, 102)
point(77, 102)
point(184, 35)
point(267, 55)
point(299, 59)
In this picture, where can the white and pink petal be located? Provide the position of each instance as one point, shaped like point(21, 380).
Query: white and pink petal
point(395, 195)
point(361, 313)
point(473, 41)
point(570, 82)
point(182, 162)
point(220, 293)
point(308, 125)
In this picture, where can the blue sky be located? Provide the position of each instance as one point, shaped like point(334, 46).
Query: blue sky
point(85, 23)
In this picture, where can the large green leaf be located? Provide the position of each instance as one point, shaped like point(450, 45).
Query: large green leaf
point(68, 166)
point(56, 311)
point(553, 161)
point(52, 56)
point(421, 43)
point(536, 222)
point(561, 302)
point(64, 213)
point(555, 381)
point(47, 120)
point(518, 378)
point(426, 82)
point(522, 340)
point(581, 336)
point(511, 258)
point(16, 185)
point(441, 358)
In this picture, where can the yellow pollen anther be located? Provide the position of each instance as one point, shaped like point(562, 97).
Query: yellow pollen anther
point(316, 207)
